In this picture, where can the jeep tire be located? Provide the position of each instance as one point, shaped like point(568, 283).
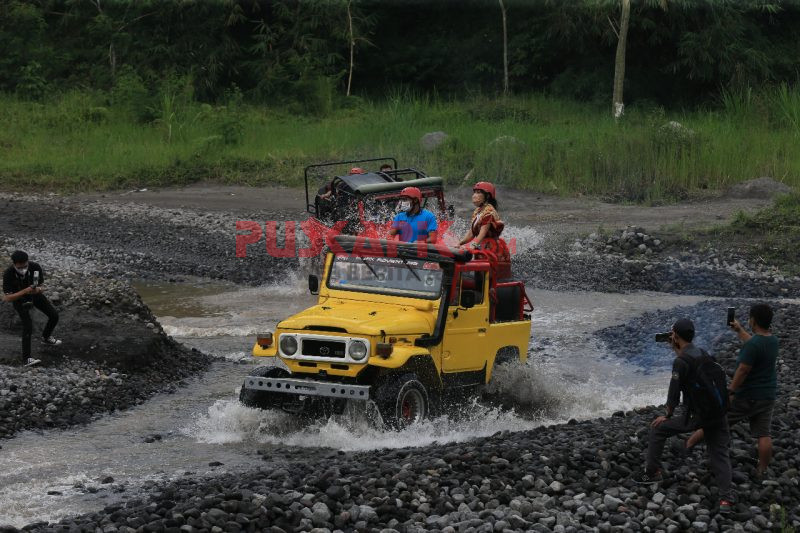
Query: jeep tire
point(402, 400)
point(260, 399)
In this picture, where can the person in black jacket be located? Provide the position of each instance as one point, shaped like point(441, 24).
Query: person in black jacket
point(716, 432)
point(22, 286)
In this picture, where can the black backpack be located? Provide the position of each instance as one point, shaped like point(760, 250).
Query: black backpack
point(707, 388)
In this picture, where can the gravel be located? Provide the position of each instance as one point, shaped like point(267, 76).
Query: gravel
point(624, 266)
point(130, 240)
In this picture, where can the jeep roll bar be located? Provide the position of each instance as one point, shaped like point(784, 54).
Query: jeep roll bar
point(348, 162)
point(365, 246)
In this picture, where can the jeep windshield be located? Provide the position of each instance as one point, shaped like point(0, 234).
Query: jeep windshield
point(386, 275)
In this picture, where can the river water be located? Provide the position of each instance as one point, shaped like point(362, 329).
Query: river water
point(569, 375)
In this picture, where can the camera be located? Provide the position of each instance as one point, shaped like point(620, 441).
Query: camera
point(664, 337)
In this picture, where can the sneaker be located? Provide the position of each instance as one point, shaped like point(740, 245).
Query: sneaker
point(51, 341)
point(725, 506)
point(31, 361)
point(646, 478)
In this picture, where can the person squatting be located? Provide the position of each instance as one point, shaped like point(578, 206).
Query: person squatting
point(23, 286)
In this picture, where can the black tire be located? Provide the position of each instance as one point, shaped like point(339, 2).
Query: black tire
point(402, 400)
point(263, 399)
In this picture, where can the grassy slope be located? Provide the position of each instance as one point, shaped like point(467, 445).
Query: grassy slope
point(75, 142)
point(771, 236)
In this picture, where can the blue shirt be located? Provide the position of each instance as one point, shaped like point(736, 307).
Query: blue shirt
point(411, 227)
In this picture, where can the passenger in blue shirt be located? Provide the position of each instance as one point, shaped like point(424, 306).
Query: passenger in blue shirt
point(413, 223)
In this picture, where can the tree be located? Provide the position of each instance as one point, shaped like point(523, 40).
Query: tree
point(505, 47)
point(618, 106)
point(352, 40)
point(353, 19)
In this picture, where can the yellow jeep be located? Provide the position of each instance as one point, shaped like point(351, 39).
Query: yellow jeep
point(399, 324)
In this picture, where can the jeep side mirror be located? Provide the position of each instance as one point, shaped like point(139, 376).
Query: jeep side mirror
point(313, 284)
point(468, 299)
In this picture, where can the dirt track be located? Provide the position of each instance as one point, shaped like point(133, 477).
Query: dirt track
point(549, 213)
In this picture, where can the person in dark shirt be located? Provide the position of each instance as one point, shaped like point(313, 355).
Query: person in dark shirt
point(663, 427)
point(22, 286)
point(754, 387)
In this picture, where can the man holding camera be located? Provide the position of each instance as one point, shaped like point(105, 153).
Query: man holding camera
point(684, 370)
point(754, 387)
point(22, 286)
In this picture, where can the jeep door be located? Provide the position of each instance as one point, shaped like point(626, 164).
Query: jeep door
point(465, 339)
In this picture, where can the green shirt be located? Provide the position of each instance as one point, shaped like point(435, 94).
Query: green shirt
point(760, 352)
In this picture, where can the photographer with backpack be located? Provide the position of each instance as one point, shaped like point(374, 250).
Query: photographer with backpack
point(700, 380)
point(754, 387)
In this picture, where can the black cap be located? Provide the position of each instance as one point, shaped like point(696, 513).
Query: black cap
point(19, 257)
point(684, 328)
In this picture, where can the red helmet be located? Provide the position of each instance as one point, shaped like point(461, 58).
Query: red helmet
point(485, 187)
point(357, 170)
point(412, 192)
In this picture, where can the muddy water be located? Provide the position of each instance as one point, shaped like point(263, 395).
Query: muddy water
point(569, 376)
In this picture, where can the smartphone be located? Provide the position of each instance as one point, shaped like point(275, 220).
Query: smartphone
point(35, 278)
point(731, 315)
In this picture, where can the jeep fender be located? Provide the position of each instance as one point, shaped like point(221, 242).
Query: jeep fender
point(506, 354)
point(400, 356)
point(258, 351)
point(410, 359)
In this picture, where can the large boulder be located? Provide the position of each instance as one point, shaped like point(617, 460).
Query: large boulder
point(431, 141)
point(675, 133)
point(761, 188)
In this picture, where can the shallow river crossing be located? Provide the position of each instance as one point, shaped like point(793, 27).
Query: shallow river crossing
point(201, 424)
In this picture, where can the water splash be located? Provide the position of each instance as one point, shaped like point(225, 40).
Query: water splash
point(228, 421)
point(176, 330)
point(523, 397)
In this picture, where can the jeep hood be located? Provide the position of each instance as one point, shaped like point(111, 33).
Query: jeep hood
point(365, 318)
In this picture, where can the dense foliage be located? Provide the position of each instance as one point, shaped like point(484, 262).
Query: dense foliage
point(282, 51)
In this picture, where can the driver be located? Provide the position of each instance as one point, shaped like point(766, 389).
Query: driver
point(413, 223)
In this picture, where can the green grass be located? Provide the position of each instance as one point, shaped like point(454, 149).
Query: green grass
point(78, 141)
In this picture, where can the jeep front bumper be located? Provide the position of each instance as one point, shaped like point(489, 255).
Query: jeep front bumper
point(305, 387)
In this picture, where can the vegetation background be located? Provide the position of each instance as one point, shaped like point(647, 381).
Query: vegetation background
point(107, 94)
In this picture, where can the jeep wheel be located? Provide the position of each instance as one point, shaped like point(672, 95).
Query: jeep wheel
point(402, 401)
point(260, 399)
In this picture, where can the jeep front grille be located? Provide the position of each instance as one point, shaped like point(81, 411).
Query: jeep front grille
point(324, 348)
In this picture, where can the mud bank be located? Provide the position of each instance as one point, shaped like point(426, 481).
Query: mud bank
point(114, 355)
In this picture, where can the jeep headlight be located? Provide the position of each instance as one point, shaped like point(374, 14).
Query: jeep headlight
point(288, 345)
point(357, 350)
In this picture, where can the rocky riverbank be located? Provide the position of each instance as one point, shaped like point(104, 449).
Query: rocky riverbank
point(565, 478)
point(632, 260)
point(133, 241)
point(114, 355)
